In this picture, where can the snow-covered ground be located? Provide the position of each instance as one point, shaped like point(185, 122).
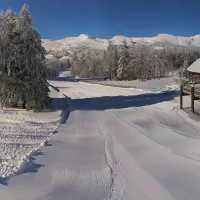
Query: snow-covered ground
point(117, 144)
point(163, 84)
point(21, 133)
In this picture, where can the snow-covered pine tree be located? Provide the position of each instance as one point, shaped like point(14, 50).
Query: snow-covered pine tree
point(73, 66)
point(114, 63)
point(11, 87)
point(108, 60)
point(33, 73)
point(76, 65)
point(123, 63)
point(52, 68)
point(68, 64)
point(85, 63)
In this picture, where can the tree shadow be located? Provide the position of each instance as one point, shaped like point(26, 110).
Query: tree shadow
point(61, 79)
point(119, 102)
point(29, 166)
point(62, 87)
point(4, 181)
point(60, 104)
point(64, 116)
point(54, 87)
point(47, 144)
point(72, 79)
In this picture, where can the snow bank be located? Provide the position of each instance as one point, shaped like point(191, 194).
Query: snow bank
point(158, 85)
point(22, 133)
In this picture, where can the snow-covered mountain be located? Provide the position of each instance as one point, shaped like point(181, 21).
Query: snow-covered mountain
point(96, 43)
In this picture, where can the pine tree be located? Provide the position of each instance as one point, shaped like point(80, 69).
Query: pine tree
point(75, 65)
point(109, 59)
point(123, 63)
point(10, 84)
point(33, 73)
point(68, 64)
point(114, 63)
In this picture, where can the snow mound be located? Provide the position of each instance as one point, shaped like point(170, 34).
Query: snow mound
point(170, 88)
point(22, 133)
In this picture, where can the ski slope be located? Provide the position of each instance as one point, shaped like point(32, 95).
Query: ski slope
point(117, 144)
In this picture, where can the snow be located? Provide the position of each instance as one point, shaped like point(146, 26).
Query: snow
point(85, 40)
point(82, 41)
point(158, 47)
point(163, 84)
point(65, 58)
point(22, 133)
point(51, 57)
point(65, 74)
point(195, 67)
point(152, 153)
point(117, 40)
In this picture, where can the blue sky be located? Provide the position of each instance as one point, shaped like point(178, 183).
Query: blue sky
point(57, 19)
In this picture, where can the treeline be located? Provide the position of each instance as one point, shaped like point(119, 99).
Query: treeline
point(58, 54)
point(57, 61)
point(137, 61)
point(23, 68)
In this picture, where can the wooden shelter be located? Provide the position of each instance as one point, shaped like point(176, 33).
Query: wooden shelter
point(191, 88)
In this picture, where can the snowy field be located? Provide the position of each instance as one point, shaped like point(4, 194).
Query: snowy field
point(21, 134)
point(116, 144)
point(163, 84)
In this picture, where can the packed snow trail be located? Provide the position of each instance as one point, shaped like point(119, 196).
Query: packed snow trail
point(117, 144)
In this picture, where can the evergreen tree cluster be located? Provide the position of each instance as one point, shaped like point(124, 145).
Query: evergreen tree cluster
point(53, 68)
point(137, 61)
point(22, 63)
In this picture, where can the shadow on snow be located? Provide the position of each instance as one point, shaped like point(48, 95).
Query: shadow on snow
point(95, 103)
point(29, 166)
point(118, 102)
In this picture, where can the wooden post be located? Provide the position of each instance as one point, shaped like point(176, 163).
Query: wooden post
point(181, 96)
point(192, 98)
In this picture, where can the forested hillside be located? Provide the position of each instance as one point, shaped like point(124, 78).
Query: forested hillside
point(136, 61)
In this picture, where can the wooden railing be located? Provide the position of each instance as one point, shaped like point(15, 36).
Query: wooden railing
point(188, 88)
point(192, 90)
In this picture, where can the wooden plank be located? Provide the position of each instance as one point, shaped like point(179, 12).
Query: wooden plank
point(181, 97)
point(192, 99)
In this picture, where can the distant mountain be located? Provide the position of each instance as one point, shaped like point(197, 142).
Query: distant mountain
point(86, 41)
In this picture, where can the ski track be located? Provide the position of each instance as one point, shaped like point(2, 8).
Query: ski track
point(160, 161)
